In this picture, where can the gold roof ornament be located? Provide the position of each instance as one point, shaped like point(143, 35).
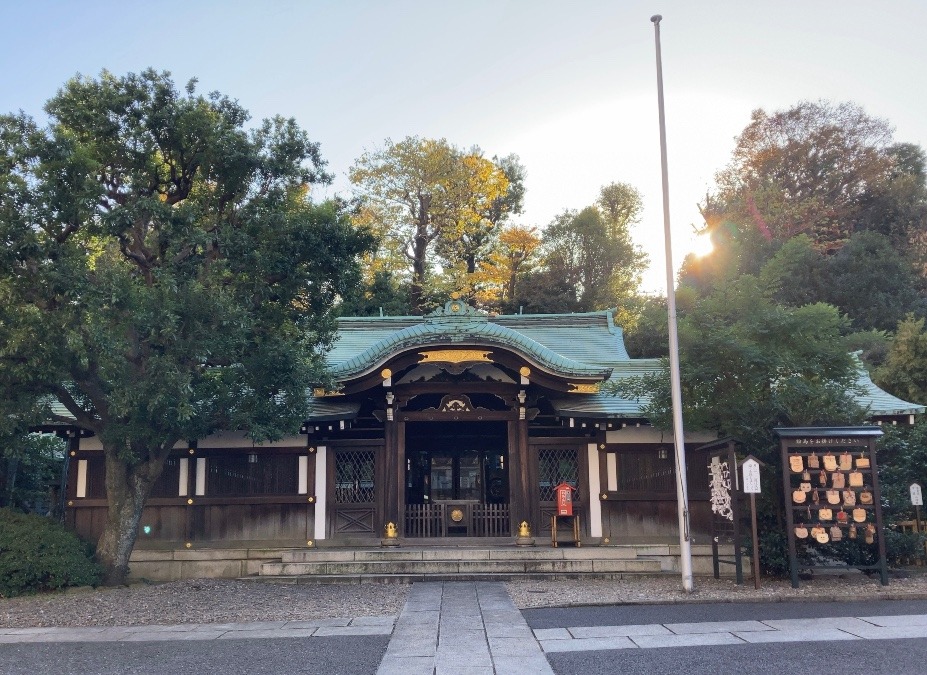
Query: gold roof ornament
point(592, 388)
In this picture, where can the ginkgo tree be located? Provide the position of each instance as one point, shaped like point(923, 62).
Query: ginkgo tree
point(437, 205)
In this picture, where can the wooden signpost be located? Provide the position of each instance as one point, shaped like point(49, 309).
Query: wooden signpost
point(751, 483)
point(917, 501)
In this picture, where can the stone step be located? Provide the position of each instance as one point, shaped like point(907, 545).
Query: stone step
point(437, 554)
point(458, 567)
point(469, 576)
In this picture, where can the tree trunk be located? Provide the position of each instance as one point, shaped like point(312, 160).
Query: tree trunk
point(127, 491)
point(419, 265)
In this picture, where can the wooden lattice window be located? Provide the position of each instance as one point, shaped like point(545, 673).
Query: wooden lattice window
point(555, 466)
point(354, 477)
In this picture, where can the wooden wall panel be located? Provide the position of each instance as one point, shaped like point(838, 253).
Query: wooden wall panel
point(249, 522)
point(656, 520)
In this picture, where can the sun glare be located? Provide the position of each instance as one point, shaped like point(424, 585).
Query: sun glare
point(701, 245)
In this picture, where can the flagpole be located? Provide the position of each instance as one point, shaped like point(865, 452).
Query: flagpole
point(682, 496)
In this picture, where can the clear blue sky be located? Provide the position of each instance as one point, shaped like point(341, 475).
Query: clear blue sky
point(568, 86)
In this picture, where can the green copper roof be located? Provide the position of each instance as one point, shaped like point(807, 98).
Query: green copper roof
point(877, 401)
point(365, 344)
point(604, 405)
point(587, 344)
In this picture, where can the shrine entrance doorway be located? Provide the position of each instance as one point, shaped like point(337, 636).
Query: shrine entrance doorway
point(457, 479)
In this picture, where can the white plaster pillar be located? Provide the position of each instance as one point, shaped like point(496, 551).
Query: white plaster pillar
point(81, 478)
point(321, 498)
point(184, 481)
point(595, 487)
point(200, 476)
point(611, 470)
point(302, 480)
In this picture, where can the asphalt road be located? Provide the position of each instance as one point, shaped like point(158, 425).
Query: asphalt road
point(895, 657)
point(329, 656)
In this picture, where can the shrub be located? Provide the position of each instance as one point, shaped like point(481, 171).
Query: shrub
point(38, 554)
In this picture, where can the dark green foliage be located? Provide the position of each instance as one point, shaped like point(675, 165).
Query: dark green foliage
point(384, 294)
point(797, 274)
point(904, 372)
point(650, 337)
point(30, 465)
point(871, 345)
point(164, 273)
point(37, 554)
point(774, 552)
point(747, 366)
point(872, 283)
point(901, 548)
point(822, 207)
point(589, 260)
point(593, 256)
point(902, 455)
point(544, 292)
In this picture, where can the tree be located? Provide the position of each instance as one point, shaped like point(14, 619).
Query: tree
point(905, 371)
point(592, 252)
point(649, 337)
point(897, 207)
point(803, 170)
point(747, 366)
point(871, 283)
point(438, 202)
point(797, 274)
point(383, 295)
point(164, 274)
point(621, 205)
point(512, 257)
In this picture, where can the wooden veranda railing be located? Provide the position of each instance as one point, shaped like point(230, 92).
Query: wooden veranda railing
point(481, 520)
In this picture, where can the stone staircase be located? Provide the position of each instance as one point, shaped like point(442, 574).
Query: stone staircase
point(491, 563)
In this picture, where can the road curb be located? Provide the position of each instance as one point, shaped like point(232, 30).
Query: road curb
point(762, 600)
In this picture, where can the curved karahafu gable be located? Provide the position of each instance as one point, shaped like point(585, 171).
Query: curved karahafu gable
point(455, 326)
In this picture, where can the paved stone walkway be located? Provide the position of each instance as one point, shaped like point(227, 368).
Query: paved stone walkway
point(586, 638)
point(459, 628)
point(362, 625)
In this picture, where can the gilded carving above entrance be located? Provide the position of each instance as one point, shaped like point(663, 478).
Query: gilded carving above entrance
point(455, 356)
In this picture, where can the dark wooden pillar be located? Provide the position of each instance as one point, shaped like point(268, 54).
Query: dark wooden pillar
point(522, 498)
point(391, 463)
point(69, 479)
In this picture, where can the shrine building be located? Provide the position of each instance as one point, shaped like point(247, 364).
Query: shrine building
point(458, 424)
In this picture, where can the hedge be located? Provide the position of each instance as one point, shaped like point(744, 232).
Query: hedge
point(38, 554)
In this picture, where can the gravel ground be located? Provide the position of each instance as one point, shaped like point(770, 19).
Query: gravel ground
point(228, 601)
point(201, 601)
point(644, 590)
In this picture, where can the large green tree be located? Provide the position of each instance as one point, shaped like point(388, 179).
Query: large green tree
point(819, 169)
point(590, 261)
point(802, 170)
point(747, 366)
point(163, 274)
